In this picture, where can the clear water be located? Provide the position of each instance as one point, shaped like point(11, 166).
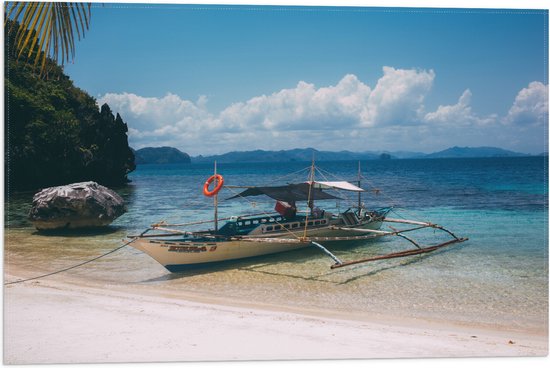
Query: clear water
point(498, 278)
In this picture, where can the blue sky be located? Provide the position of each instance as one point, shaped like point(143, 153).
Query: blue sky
point(211, 79)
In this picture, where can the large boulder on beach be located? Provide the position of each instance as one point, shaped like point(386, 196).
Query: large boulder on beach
point(73, 206)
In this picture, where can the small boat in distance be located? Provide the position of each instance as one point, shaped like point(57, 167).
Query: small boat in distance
point(286, 229)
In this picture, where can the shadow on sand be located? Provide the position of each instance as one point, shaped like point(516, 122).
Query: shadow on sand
point(298, 257)
point(91, 231)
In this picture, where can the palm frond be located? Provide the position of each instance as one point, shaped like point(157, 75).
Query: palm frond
point(47, 29)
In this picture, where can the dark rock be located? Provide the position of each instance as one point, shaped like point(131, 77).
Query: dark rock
point(78, 205)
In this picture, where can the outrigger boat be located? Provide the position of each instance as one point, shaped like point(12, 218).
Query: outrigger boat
point(286, 229)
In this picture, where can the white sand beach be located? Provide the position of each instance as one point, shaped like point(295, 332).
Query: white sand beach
point(64, 320)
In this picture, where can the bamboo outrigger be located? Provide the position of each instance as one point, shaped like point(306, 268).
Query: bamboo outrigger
point(266, 233)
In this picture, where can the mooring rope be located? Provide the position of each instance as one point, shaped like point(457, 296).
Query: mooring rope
point(77, 265)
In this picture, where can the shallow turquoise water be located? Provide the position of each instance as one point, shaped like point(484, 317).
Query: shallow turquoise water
point(499, 277)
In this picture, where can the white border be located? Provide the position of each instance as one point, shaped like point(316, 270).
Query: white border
point(424, 363)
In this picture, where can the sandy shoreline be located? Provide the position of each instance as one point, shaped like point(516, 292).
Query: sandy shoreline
point(64, 320)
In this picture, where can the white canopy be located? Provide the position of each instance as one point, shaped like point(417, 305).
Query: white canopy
point(343, 185)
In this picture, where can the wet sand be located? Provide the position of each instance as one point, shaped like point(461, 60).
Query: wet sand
point(61, 319)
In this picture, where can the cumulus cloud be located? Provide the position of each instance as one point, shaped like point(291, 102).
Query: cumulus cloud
point(458, 114)
point(530, 106)
point(398, 96)
point(149, 113)
point(302, 107)
point(347, 115)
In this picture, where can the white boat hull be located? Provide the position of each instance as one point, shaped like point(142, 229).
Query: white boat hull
point(179, 255)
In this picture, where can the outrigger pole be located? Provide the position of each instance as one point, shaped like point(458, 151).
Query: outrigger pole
point(379, 233)
point(406, 253)
point(329, 253)
point(369, 234)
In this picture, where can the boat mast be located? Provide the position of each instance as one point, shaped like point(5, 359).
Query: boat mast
point(215, 199)
point(310, 194)
point(312, 179)
point(359, 185)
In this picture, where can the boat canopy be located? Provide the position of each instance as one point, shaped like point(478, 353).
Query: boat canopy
point(342, 185)
point(301, 191)
point(288, 193)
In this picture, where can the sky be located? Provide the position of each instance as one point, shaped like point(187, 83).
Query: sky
point(209, 79)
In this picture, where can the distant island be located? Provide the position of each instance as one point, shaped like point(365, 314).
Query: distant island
point(472, 152)
point(161, 155)
point(298, 154)
point(306, 154)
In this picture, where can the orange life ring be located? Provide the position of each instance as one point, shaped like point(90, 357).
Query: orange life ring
point(215, 191)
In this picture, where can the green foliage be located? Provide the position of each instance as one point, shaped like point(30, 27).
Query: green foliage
point(56, 134)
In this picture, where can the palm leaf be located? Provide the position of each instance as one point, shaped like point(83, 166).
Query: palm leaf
point(33, 35)
point(48, 28)
point(74, 18)
point(39, 31)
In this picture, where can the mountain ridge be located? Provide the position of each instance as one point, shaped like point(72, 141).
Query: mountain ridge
point(161, 155)
point(472, 152)
point(306, 154)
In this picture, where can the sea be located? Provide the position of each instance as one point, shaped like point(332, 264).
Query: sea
point(498, 278)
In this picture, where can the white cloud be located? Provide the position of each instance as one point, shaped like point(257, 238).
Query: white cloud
point(530, 106)
point(458, 114)
point(398, 96)
point(348, 115)
point(303, 107)
point(145, 113)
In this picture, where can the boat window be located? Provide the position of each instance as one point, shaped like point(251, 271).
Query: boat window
point(317, 222)
point(263, 221)
point(310, 222)
point(269, 228)
point(277, 227)
point(271, 219)
point(294, 225)
point(255, 222)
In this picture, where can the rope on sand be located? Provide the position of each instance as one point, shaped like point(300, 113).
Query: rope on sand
point(75, 266)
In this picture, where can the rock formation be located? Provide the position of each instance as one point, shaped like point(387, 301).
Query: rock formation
point(78, 205)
